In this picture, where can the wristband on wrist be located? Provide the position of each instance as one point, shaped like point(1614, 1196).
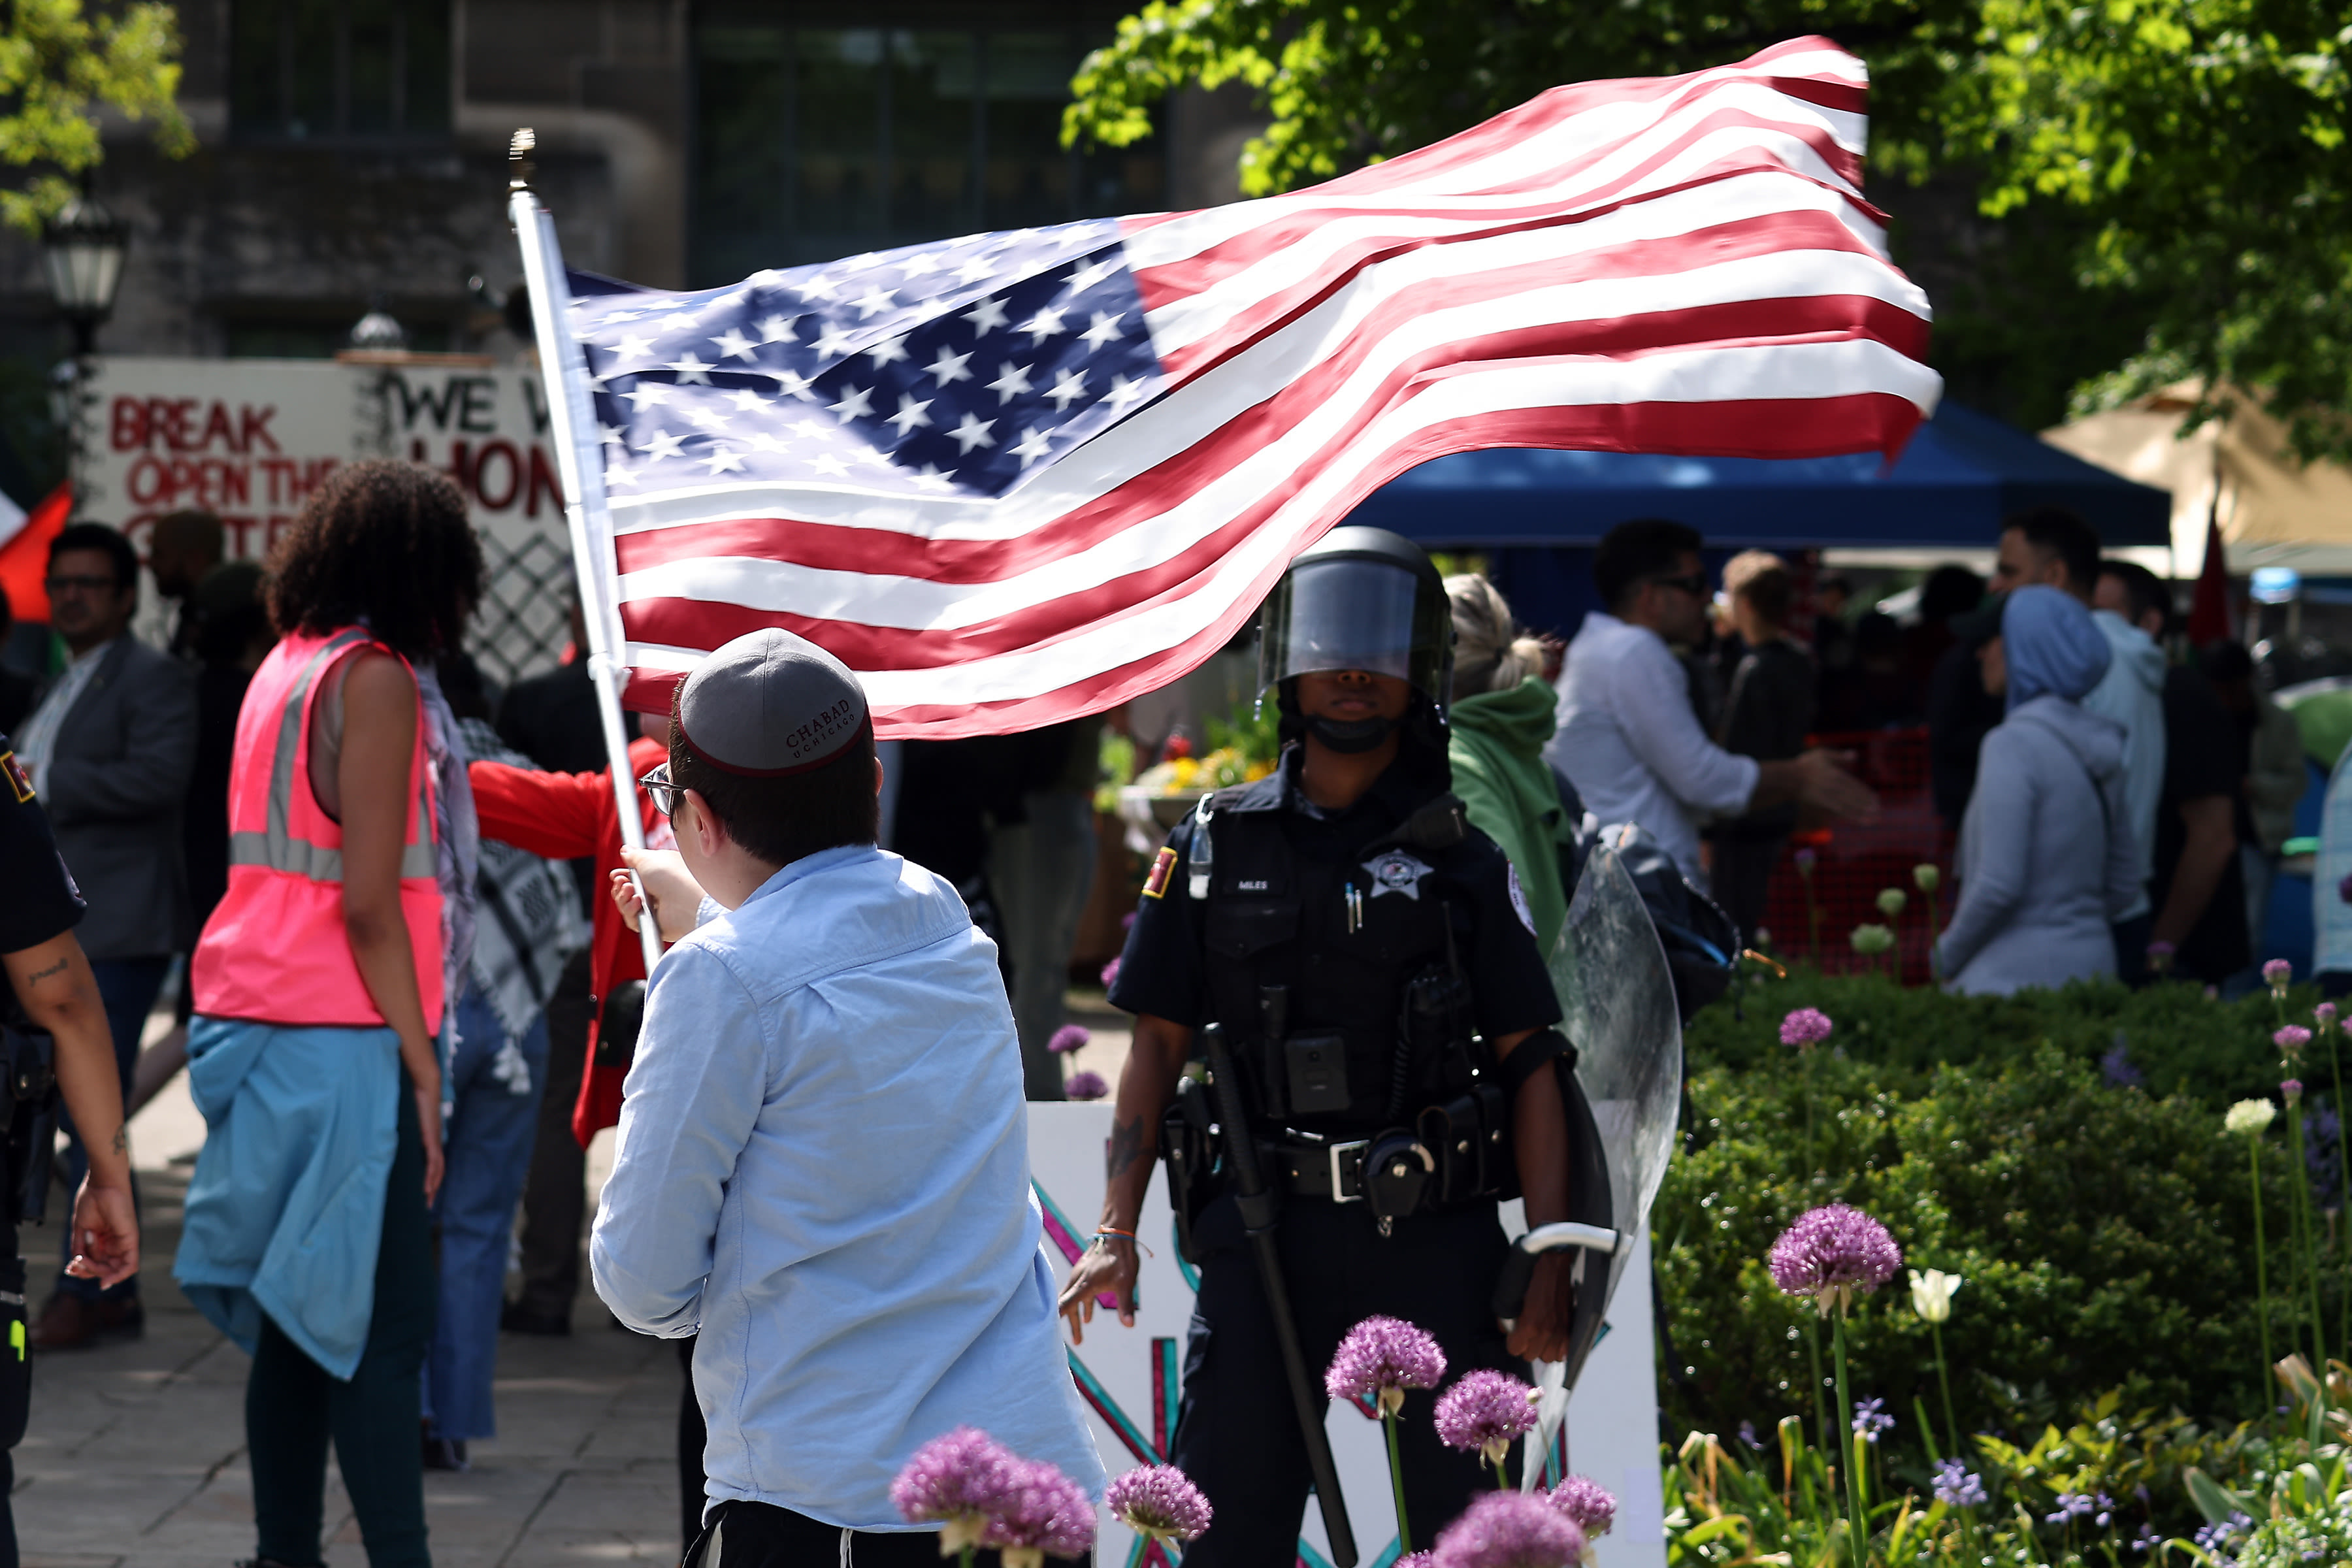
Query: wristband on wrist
point(1103, 1230)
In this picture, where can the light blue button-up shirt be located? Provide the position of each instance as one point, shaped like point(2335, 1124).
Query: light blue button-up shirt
point(823, 1168)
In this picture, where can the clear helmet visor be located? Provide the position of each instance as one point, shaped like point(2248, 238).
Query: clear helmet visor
point(1357, 614)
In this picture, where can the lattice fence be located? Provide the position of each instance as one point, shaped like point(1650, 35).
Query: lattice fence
point(523, 623)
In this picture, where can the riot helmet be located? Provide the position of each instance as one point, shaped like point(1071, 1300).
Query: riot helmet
point(1359, 598)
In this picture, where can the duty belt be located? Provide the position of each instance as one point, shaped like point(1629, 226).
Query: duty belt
point(1333, 1171)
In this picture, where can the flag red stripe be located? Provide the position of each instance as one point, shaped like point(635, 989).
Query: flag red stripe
point(1286, 224)
point(1866, 419)
point(832, 547)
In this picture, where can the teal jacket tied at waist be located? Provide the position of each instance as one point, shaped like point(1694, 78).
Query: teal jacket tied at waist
point(286, 1209)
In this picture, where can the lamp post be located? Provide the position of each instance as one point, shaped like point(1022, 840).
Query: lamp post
point(83, 247)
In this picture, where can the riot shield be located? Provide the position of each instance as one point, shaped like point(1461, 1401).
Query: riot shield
point(1618, 998)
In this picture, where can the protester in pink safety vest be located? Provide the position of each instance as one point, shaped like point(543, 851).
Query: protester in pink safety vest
point(320, 989)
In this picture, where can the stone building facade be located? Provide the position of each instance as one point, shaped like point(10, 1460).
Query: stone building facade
point(352, 154)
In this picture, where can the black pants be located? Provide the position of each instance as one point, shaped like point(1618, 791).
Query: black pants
point(1237, 1435)
point(1743, 876)
point(292, 1405)
point(555, 1193)
point(762, 1536)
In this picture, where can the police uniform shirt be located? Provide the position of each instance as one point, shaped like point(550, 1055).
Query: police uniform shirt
point(42, 899)
point(1163, 970)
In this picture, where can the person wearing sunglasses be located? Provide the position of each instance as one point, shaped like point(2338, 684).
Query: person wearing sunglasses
point(823, 1171)
point(1628, 739)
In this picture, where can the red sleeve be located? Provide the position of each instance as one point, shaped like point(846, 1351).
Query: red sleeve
point(560, 815)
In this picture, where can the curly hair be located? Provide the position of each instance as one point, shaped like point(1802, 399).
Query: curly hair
point(386, 543)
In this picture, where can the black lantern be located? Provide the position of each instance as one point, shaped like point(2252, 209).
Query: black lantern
point(84, 247)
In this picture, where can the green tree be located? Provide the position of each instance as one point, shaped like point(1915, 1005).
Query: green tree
point(58, 64)
point(2161, 181)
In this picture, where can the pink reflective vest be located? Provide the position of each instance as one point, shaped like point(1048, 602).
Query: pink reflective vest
point(276, 950)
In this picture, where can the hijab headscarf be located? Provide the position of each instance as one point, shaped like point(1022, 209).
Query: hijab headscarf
point(2052, 646)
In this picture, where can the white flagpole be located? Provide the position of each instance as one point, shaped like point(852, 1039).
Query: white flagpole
point(580, 464)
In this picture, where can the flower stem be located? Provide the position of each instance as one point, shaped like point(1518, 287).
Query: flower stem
point(1821, 1414)
point(2343, 1182)
point(1951, 1422)
point(2262, 1280)
point(1860, 1517)
point(1812, 918)
point(1502, 1476)
point(1396, 1484)
point(2302, 1185)
point(1805, 1068)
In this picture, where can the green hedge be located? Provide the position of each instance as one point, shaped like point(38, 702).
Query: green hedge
point(2104, 1231)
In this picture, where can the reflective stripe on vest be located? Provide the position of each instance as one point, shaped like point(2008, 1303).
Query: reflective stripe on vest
point(276, 846)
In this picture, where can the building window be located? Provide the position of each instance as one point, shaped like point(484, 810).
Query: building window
point(819, 143)
point(340, 70)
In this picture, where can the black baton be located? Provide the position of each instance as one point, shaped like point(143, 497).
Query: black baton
point(1260, 1214)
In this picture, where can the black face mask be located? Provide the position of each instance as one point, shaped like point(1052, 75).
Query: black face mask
point(1353, 736)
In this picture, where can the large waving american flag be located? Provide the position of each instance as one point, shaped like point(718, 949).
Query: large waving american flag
point(1017, 478)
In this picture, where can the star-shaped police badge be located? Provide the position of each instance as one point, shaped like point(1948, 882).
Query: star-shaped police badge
point(1396, 872)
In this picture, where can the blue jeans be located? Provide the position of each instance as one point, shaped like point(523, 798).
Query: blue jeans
point(126, 986)
point(495, 1085)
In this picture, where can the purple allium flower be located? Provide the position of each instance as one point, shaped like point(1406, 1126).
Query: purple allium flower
point(2116, 1065)
point(1042, 1512)
point(1418, 1560)
point(1110, 975)
point(1805, 858)
point(1485, 1411)
point(2277, 974)
point(1384, 1356)
point(959, 1480)
point(2293, 1089)
point(1509, 1530)
point(1956, 1488)
point(1068, 1037)
point(1086, 1086)
point(1869, 1419)
point(1160, 1501)
point(1805, 1026)
point(1833, 1254)
point(2290, 1039)
point(1588, 1502)
point(2324, 1015)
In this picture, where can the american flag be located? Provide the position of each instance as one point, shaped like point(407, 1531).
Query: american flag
point(1016, 478)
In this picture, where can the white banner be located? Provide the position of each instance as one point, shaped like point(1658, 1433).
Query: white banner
point(1133, 1378)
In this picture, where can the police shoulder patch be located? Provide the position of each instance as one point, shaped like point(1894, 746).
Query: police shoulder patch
point(1164, 866)
point(18, 779)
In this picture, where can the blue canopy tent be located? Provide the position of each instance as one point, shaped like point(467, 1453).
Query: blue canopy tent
point(1535, 512)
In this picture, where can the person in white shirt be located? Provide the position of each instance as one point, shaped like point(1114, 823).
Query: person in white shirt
point(1628, 739)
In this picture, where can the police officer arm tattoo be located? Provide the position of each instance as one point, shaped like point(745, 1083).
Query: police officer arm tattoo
point(1126, 1146)
point(40, 975)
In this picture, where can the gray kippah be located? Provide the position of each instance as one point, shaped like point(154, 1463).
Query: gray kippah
point(770, 704)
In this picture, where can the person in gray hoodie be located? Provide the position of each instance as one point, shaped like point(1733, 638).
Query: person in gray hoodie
point(2047, 860)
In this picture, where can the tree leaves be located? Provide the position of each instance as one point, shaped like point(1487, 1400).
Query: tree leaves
point(59, 66)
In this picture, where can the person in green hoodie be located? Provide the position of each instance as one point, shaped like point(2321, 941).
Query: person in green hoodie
point(1501, 716)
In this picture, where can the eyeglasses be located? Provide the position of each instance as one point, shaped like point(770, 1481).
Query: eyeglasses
point(58, 585)
point(1694, 584)
point(665, 793)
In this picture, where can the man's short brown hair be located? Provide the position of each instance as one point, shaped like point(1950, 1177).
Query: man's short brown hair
point(1762, 579)
point(781, 820)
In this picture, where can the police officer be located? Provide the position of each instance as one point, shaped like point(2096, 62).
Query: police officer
point(54, 998)
point(1370, 962)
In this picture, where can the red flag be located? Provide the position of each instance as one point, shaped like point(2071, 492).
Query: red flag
point(25, 558)
point(2209, 620)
